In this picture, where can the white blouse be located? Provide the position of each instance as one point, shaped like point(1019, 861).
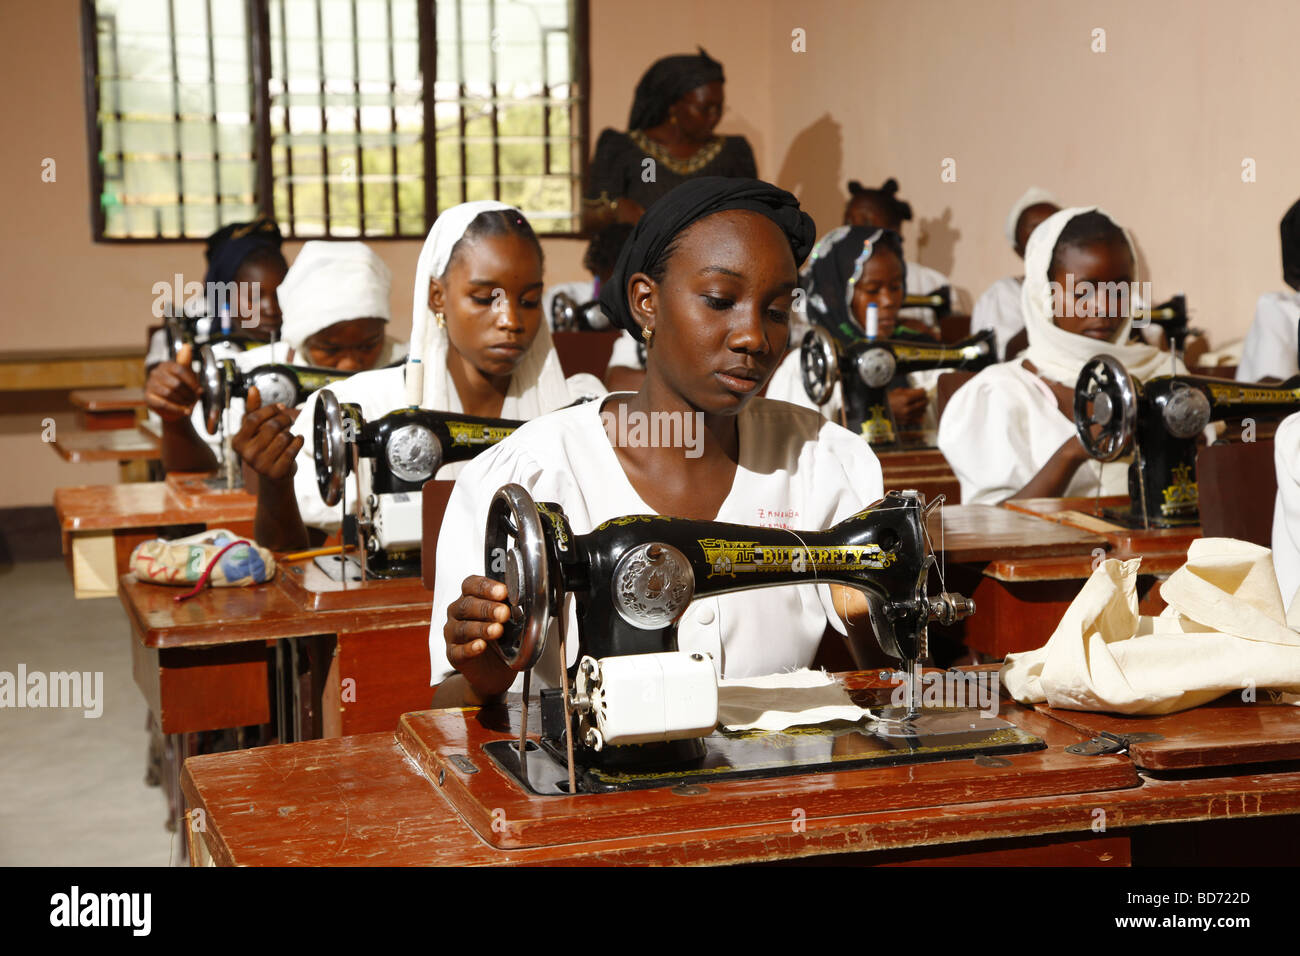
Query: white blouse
point(1270, 347)
point(796, 470)
point(999, 309)
point(999, 430)
point(1286, 510)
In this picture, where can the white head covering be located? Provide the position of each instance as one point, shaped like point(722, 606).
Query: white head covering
point(538, 384)
point(1061, 355)
point(1032, 197)
point(332, 282)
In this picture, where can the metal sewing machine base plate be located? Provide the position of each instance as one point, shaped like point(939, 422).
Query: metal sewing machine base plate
point(937, 734)
point(1125, 518)
point(337, 565)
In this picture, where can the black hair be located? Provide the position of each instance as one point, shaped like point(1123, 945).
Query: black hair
point(885, 196)
point(264, 254)
point(496, 222)
point(606, 244)
point(1086, 229)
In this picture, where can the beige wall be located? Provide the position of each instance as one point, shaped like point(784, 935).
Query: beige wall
point(1155, 129)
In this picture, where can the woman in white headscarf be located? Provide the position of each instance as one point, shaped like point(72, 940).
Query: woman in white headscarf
point(1009, 432)
point(479, 345)
point(999, 307)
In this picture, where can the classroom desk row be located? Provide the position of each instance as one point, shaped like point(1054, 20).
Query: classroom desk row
point(1218, 784)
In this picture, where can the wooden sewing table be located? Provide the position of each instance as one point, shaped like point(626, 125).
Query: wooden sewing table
point(102, 524)
point(390, 799)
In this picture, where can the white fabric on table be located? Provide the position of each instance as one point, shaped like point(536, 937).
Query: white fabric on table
point(778, 701)
point(1224, 630)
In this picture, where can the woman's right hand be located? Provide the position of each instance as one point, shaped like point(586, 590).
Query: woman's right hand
point(474, 619)
point(264, 439)
point(172, 389)
point(907, 405)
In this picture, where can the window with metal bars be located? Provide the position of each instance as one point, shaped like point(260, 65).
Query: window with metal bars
point(337, 118)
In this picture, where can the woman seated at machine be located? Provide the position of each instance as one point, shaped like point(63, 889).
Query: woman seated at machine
point(707, 281)
point(852, 269)
point(335, 314)
point(1269, 351)
point(999, 307)
point(1009, 432)
point(480, 346)
point(882, 209)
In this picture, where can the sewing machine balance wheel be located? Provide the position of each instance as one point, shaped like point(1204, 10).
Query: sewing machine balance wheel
point(819, 364)
point(213, 388)
point(1105, 397)
point(516, 546)
point(329, 447)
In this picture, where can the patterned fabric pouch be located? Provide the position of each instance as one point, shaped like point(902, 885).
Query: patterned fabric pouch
point(216, 557)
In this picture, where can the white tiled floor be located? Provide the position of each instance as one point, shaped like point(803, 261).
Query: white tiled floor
point(72, 788)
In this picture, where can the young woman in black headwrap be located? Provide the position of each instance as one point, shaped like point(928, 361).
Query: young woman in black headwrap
point(669, 140)
point(247, 254)
point(707, 280)
point(1270, 347)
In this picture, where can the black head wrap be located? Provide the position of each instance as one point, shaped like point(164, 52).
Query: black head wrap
point(689, 203)
point(834, 269)
point(229, 246)
point(1291, 247)
point(666, 82)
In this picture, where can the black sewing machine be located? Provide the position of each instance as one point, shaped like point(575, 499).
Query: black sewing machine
point(393, 457)
point(220, 380)
point(635, 712)
point(939, 302)
point(570, 315)
point(197, 331)
point(866, 368)
point(1171, 318)
point(1159, 421)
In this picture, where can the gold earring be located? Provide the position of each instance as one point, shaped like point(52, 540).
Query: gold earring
point(647, 333)
point(441, 319)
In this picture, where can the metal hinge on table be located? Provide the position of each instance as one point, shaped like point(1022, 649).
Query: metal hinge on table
point(1108, 743)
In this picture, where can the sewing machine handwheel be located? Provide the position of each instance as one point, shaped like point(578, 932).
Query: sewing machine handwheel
point(1105, 396)
point(515, 551)
point(819, 364)
point(329, 447)
point(213, 388)
point(564, 313)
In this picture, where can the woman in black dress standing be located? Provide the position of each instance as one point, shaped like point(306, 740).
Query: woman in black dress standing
point(678, 102)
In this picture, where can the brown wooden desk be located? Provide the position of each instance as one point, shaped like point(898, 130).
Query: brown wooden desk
point(924, 469)
point(377, 800)
point(100, 409)
point(238, 657)
point(102, 524)
point(1020, 597)
point(117, 444)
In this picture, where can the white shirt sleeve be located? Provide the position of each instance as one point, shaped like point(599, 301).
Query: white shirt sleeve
point(999, 309)
point(986, 434)
point(1286, 510)
point(624, 354)
point(1270, 347)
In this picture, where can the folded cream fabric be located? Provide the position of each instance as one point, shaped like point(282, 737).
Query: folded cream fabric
point(778, 701)
point(1224, 630)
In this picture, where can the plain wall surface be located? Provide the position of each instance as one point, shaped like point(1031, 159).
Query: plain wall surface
point(1155, 130)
